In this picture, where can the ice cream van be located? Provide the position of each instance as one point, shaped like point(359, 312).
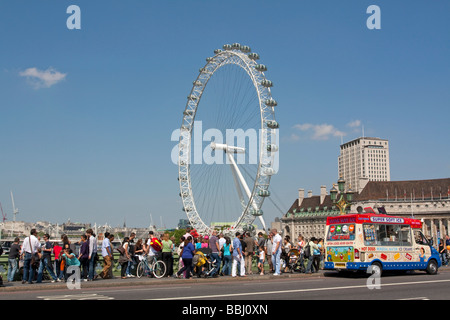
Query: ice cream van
point(359, 241)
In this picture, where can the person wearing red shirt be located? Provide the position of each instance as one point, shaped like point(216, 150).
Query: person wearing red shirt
point(56, 251)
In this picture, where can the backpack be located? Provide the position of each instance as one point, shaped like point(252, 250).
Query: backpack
point(156, 244)
point(194, 234)
point(307, 251)
point(199, 259)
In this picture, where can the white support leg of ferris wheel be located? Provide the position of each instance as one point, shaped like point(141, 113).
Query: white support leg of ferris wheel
point(236, 172)
point(238, 187)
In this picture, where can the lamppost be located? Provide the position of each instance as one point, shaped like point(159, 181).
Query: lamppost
point(345, 198)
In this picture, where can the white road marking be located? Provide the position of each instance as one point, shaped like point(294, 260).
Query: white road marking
point(142, 289)
point(299, 290)
point(90, 296)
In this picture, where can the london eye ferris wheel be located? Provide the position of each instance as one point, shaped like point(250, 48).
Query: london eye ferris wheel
point(228, 145)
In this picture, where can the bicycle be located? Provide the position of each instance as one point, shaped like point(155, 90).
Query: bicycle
point(157, 269)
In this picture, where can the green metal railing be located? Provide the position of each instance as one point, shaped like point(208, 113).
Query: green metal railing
point(115, 266)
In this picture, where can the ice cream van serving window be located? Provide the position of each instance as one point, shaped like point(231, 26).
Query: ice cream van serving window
point(341, 232)
point(387, 235)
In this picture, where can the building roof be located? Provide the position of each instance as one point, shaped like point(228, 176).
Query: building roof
point(312, 204)
point(362, 138)
point(380, 190)
point(415, 189)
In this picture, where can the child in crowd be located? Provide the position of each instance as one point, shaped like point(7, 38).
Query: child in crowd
point(261, 259)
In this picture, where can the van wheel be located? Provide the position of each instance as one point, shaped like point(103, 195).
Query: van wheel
point(432, 267)
point(377, 268)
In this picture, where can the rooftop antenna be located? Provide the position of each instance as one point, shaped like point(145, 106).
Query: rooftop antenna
point(363, 131)
point(151, 222)
point(15, 212)
point(163, 226)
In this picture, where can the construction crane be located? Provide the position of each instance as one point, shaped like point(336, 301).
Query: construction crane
point(15, 212)
point(3, 214)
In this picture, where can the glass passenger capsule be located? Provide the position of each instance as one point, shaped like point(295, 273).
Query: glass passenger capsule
point(269, 171)
point(227, 47)
point(253, 56)
point(256, 212)
point(261, 67)
point(267, 83)
point(246, 49)
point(272, 124)
point(272, 148)
point(271, 102)
point(236, 46)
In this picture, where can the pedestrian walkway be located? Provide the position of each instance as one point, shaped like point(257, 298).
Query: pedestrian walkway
point(117, 281)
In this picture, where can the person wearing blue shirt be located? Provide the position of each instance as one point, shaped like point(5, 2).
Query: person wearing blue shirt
point(107, 256)
point(238, 257)
point(187, 253)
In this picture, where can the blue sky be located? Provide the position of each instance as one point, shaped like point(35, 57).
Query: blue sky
point(90, 141)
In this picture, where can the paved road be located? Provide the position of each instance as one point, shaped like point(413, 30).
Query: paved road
point(323, 286)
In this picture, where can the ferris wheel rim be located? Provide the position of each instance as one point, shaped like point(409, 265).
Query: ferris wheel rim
point(221, 58)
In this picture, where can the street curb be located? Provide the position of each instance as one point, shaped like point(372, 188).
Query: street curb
point(118, 282)
point(17, 286)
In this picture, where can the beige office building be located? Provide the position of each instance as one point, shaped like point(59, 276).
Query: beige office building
point(364, 159)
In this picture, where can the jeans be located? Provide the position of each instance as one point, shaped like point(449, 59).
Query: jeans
point(313, 263)
point(226, 270)
point(215, 256)
point(12, 269)
point(276, 261)
point(85, 264)
point(130, 266)
point(92, 265)
point(28, 269)
point(123, 268)
point(444, 258)
point(45, 263)
point(59, 272)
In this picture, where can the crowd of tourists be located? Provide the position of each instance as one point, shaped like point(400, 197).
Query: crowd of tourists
point(231, 256)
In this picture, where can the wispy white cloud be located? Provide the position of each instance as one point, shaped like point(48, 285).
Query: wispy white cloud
point(292, 138)
point(42, 78)
point(320, 131)
point(354, 124)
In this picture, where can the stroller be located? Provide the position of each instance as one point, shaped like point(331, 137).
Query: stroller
point(203, 263)
point(294, 264)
